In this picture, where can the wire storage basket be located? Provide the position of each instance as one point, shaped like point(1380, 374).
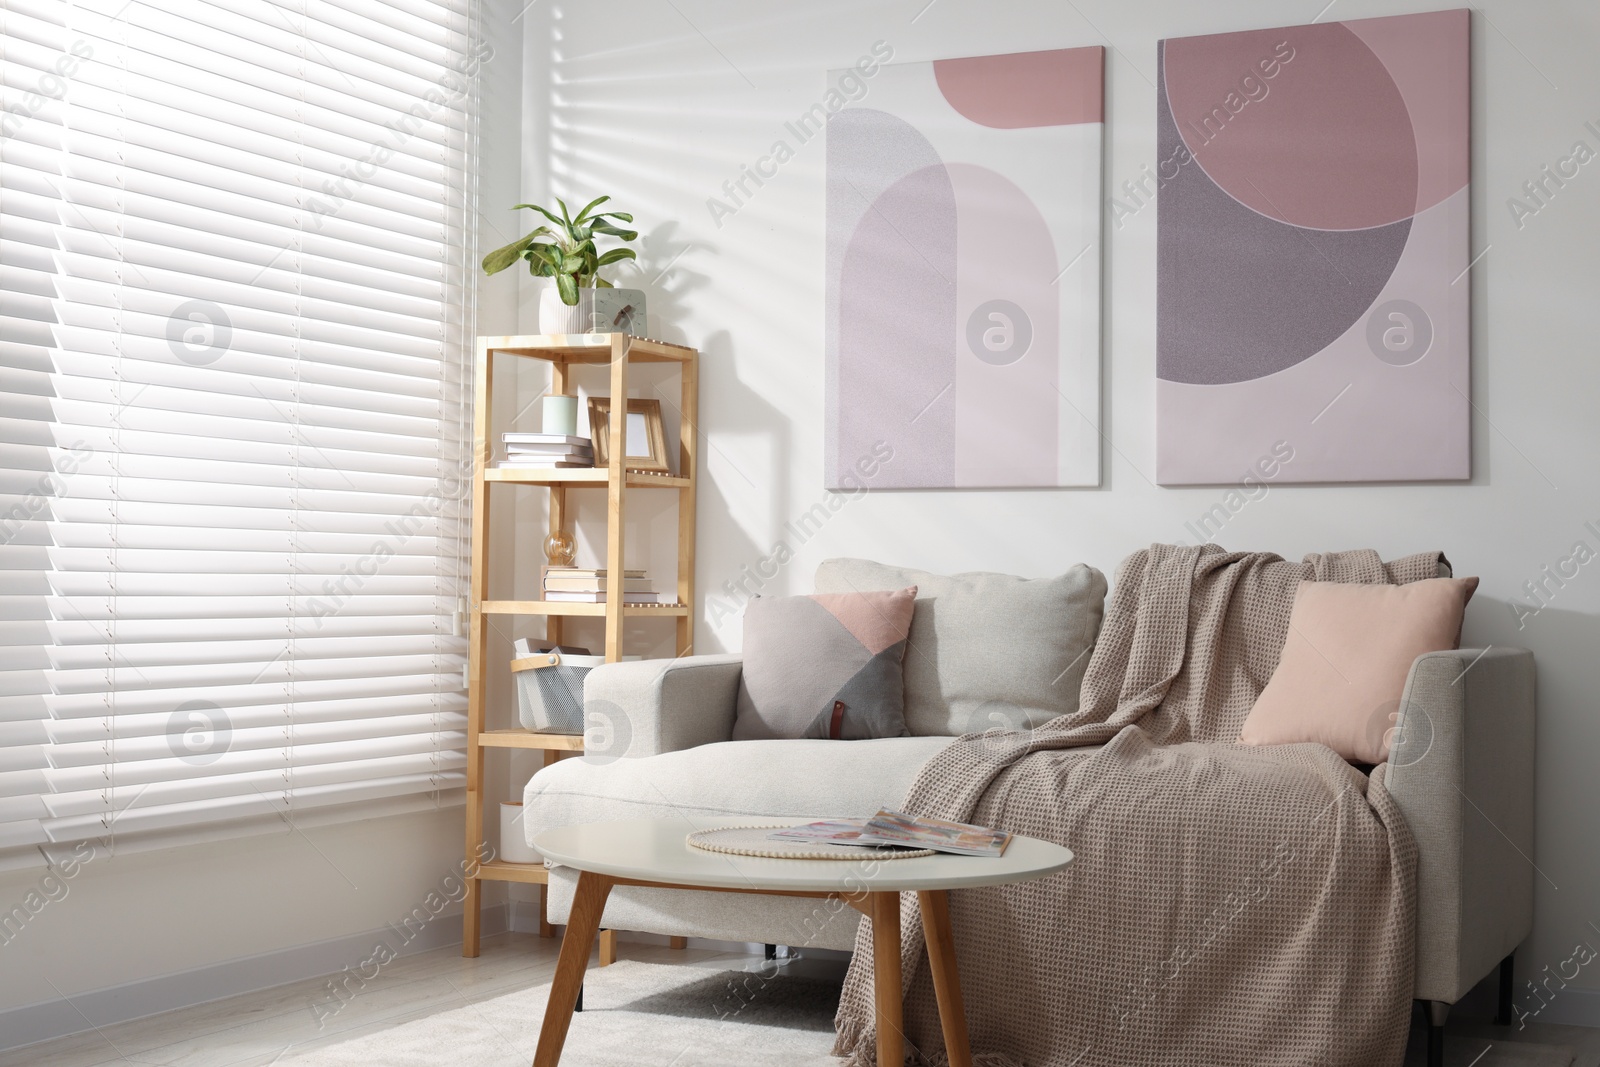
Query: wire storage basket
point(550, 691)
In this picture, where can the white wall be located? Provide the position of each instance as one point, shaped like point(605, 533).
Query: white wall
point(658, 104)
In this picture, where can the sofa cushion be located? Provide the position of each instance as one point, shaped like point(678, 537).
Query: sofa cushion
point(802, 779)
point(987, 650)
point(1345, 661)
point(824, 666)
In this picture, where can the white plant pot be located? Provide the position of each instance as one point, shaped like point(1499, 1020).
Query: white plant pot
point(597, 311)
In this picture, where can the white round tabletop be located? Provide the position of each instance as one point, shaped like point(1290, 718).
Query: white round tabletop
point(657, 850)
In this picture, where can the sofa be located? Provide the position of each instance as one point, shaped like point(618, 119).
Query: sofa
point(987, 652)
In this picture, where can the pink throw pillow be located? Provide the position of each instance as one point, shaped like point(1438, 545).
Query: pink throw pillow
point(1345, 662)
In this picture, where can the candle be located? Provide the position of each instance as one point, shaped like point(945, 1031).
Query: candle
point(561, 415)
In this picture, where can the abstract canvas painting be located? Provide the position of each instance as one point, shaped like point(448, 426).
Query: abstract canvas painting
point(963, 274)
point(1312, 252)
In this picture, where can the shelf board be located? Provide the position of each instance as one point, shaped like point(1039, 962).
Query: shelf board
point(583, 476)
point(586, 348)
point(501, 871)
point(519, 738)
point(548, 607)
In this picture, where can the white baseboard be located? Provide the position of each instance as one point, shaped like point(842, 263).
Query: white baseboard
point(49, 1019)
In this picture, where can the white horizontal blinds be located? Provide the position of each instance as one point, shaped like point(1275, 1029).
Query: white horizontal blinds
point(257, 366)
point(35, 63)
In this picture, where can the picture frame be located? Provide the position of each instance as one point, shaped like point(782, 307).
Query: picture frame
point(645, 439)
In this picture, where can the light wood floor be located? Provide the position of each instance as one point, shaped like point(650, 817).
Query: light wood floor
point(256, 1029)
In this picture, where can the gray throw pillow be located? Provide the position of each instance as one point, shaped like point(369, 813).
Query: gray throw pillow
point(824, 666)
point(987, 650)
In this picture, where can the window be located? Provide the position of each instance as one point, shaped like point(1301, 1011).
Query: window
point(234, 312)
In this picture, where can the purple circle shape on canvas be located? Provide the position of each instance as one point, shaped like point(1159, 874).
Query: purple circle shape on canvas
point(1242, 295)
point(1399, 332)
point(999, 332)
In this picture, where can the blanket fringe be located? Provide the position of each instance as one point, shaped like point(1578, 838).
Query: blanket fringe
point(854, 1041)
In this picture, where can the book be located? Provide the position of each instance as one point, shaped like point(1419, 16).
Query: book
point(543, 464)
point(562, 453)
point(529, 459)
point(566, 440)
point(549, 450)
point(907, 831)
point(586, 572)
point(561, 583)
point(558, 597)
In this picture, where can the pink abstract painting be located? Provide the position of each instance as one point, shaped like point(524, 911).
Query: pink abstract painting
point(1312, 253)
point(963, 274)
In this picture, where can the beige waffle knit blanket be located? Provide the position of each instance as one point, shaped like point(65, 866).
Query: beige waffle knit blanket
point(1228, 904)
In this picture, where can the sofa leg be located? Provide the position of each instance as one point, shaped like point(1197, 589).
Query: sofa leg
point(772, 952)
point(1502, 1015)
point(1437, 1012)
point(579, 1005)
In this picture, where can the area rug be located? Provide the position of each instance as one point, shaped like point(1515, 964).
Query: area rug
point(644, 1014)
point(672, 1015)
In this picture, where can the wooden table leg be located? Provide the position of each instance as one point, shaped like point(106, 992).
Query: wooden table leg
point(946, 979)
point(588, 905)
point(608, 948)
point(886, 993)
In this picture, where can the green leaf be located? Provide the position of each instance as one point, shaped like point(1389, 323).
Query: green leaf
point(565, 218)
point(614, 231)
point(601, 283)
point(501, 258)
point(592, 205)
point(540, 210)
point(546, 256)
point(540, 269)
point(616, 255)
point(568, 287)
point(623, 215)
point(572, 264)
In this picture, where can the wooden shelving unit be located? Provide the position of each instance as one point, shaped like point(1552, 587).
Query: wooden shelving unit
point(562, 352)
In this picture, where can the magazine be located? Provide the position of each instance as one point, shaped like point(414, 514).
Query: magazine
point(907, 831)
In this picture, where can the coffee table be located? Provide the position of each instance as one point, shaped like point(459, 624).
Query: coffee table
point(655, 852)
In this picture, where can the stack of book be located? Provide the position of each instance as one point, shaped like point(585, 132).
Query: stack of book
point(577, 585)
point(546, 451)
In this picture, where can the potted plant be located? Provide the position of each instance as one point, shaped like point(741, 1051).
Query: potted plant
point(580, 301)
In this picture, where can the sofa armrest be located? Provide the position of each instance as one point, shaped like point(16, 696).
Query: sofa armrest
point(1461, 772)
point(648, 707)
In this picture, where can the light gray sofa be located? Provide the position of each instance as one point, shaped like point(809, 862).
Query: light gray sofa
point(1461, 770)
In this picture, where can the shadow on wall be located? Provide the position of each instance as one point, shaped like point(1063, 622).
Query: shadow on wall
point(666, 281)
point(731, 564)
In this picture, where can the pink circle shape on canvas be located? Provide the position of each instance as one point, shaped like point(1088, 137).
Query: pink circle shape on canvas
point(1325, 143)
point(1060, 87)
